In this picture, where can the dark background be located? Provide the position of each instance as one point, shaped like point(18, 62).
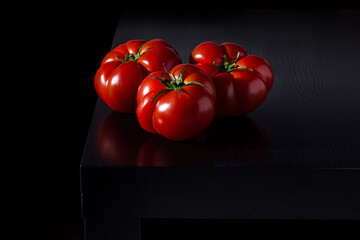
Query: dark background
point(58, 50)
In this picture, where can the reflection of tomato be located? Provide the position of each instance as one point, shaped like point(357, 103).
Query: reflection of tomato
point(238, 141)
point(242, 82)
point(119, 139)
point(123, 69)
point(178, 104)
point(159, 151)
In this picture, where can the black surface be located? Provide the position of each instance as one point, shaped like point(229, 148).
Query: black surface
point(296, 157)
point(238, 229)
point(49, 107)
point(56, 49)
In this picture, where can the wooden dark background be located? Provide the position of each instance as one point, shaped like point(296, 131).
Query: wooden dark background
point(61, 47)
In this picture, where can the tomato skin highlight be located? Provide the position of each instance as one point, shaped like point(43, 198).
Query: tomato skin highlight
point(122, 86)
point(250, 89)
point(101, 78)
point(261, 66)
point(242, 81)
point(177, 114)
point(231, 50)
point(123, 69)
point(157, 58)
point(183, 118)
point(207, 52)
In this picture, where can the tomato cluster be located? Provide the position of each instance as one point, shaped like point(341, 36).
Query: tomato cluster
point(175, 100)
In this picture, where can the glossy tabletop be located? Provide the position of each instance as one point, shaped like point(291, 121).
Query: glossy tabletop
point(297, 156)
point(310, 118)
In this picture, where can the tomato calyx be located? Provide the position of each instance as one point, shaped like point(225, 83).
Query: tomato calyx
point(132, 57)
point(230, 66)
point(174, 84)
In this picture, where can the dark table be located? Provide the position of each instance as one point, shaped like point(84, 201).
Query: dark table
point(295, 158)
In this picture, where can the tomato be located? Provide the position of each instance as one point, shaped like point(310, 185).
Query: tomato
point(242, 81)
point(123, 69)
point(178, 104)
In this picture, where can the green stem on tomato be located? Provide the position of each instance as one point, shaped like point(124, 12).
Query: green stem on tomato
point(229, 67)
point(174, 84)
point(132, 57)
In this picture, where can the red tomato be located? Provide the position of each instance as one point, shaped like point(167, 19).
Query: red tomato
point(241, 81)
point(177, 105)
point(123, 69)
